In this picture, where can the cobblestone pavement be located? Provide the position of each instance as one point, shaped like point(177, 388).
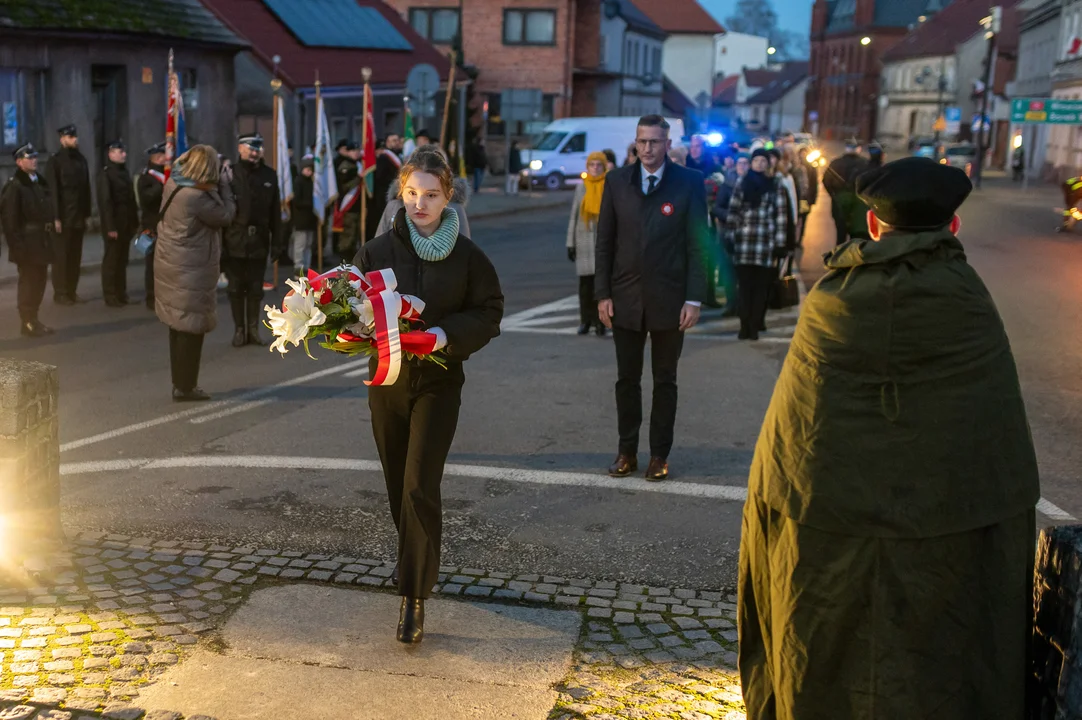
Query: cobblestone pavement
point(112, 612)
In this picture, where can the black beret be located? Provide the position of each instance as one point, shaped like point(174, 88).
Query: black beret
point(353, 145)
point(25, 151)
point(68, 130)
point(117, 144)
point(157, 149)
point(914, 193)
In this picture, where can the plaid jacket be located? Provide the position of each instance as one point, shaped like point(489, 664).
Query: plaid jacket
point(755, 232)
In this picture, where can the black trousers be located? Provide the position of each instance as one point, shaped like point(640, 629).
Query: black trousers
point(414, 423)
point(148, 276)
point(245, 288)
point(587, 303)
point(665, 349)
point(32, 282)
point(114, 266)
point(185, 352)
point(67, 259)
point(754, 283)
point(841, 226)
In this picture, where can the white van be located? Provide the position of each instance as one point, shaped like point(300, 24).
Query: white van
point(559, 155)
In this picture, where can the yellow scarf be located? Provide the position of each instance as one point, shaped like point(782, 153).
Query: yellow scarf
point(591, 201)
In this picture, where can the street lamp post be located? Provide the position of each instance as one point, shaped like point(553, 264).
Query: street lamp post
point(993, 23)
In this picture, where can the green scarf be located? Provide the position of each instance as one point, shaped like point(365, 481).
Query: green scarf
point(440, 244)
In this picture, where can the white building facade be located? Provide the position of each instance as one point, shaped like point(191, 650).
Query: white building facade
point(913, 94)
point(631, 50)
point(1063, 157)
point(735, 51)
point(1038, 42)
point(688, 61)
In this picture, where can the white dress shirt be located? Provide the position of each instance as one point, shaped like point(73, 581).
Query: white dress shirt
point(646, 189)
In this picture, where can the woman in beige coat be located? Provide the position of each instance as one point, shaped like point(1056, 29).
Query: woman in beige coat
point(198, 203)
point(581, 235)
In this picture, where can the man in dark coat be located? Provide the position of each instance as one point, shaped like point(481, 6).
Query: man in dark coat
point(386, 172)
point(68, 178)
point(119, 219)
point(26, 214)
point(840, 181)
point(886, 558)
point(149, 186)
point(650, 279)
point(305, 220)
point(254, 235)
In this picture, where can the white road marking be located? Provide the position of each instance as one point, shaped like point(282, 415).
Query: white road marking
point(518, 475)
point(357, 373)
point(547, 320)
point(243, 407)
point(729, 493)
point(567, 303)
point(210, 407)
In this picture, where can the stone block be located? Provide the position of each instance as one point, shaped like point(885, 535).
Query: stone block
point(1056, 690)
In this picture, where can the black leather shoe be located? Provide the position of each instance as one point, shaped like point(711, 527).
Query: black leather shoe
point(63, 300)
point(658, 469)
point(114, 303)
point(411, 621)
point(253, 336)
point(35, 329)
point(600, 330)
point(193, 395)
point(584, 329)
point(240, 337)
point(394, 575)
point(624, 465)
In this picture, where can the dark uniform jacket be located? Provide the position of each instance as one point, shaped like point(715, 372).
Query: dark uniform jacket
point(462, 293)
point(304, 216)
point(26, 213)
point(257, 227)
point(385, 174)
point(68, 177)
point(651, 249)
point(116, 202)
point(150, 189)
point(348, 176)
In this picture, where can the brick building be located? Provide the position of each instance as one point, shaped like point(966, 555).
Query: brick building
point(848, 39)
point(511, 43)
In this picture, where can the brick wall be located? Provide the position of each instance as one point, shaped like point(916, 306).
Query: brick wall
point(1056, 693)
point(500, 66)
point(29, 455)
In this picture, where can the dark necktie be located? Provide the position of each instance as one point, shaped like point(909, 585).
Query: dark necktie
point(652, 180)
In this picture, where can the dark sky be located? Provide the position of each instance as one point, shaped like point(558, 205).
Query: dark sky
point(792, 14)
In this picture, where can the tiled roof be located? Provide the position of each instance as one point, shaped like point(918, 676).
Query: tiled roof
point(177, 19)
point(637, 20)
point(951, 27)
point(673, 101)
point(336, 66)
point(757, 78)
point(684, 17)
point(725, 90)
point(784, 81)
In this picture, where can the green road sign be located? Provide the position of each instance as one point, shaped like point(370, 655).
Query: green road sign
point(1046, 110)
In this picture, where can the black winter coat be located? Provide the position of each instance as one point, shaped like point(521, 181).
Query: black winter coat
point(255, 191)
point(347, 173)
point(304, 216)
point(116, 202)
point(651, 249)
point(385, 174)
point(150, 190)
point(462, 292)
point(68, 177)
point(26, 214)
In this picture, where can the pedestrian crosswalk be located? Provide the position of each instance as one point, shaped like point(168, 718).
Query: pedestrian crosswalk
point(561, 317)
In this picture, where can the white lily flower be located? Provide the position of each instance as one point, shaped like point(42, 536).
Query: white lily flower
point(300, 311)
point(362, 308)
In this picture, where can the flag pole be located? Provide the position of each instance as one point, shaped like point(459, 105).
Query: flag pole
point(447, 105)
point(319, 228)
point(170, 124)
point(276, 84)
point(366, 73)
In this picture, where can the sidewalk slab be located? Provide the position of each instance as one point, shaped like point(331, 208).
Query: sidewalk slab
point(336, 648)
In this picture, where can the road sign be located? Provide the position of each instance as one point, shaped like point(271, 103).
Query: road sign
point(1052, 111)
point(940, 124)
point(953, 116)
point(975, 126)
point(422, 82)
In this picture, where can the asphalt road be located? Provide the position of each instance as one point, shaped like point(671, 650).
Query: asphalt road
point(284, 457)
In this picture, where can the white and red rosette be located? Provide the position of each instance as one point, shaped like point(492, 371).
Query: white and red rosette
point(388, 307)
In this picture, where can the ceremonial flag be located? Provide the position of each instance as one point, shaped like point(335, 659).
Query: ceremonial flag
point(176, 140)
point(410, 140)
point(324, 182)
point(368, 144)
point(281, 158)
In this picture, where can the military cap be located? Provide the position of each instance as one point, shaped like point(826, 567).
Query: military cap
point(308, 161)
point(343, 144)
point(157, 149)
point(117, 144)
point(353, 145)
point(914, 193)
point(254, 140)
point(852, 144)
point(25, 151)
point(68, 131)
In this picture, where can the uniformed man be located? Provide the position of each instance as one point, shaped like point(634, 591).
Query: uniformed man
point(150, 185)
point(886, 559)
point(840, 181)
point(250, 240)
point(68, 178)
point(119, 220)
point(26, 212)
point(388, 163)
point(347, 215)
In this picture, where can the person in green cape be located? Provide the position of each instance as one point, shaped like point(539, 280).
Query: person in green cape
point(886, 559)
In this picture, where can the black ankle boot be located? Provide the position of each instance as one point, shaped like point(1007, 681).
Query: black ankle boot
point(254, 319)
point(411, 621)
point(240, 335)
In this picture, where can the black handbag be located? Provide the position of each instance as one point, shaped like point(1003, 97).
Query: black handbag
point(144, 241)
point(785, 293)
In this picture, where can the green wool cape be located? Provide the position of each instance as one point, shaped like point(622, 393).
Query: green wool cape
point(887, 549)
